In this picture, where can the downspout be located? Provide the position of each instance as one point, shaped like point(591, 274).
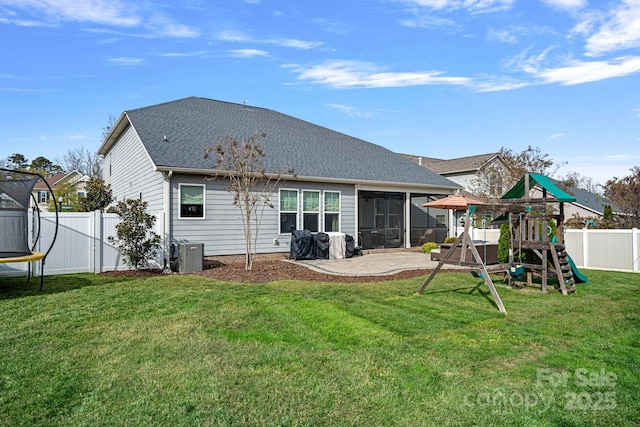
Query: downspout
point(167, 218)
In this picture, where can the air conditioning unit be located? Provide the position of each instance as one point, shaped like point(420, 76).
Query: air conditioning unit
point(190, 258)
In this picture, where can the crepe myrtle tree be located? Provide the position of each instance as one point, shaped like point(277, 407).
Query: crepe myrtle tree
point(238, 166)
point(134, 237)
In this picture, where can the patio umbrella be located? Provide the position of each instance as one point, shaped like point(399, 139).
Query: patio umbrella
point(456, 202)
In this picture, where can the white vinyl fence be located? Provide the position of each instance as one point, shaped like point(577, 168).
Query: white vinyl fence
point(617, 250)
point(81, 245)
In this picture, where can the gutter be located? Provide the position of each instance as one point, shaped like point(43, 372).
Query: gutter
point(363, 182)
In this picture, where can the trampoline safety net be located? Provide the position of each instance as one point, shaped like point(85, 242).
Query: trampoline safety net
point(15, 192)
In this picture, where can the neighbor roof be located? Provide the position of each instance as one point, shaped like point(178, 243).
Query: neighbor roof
point(460, 164)
point(192, 125)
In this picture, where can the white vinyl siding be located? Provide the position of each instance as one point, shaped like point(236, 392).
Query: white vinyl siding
point(131, 173)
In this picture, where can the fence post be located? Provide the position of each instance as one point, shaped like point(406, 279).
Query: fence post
point(585, 247)
point(97, 241)
point(634, 249)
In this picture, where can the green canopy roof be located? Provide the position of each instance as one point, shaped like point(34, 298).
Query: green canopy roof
point(517, 192)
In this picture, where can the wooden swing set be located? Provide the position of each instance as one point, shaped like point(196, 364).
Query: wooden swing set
point(533, 249)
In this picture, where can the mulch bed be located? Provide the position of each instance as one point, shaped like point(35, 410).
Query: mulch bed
point(268, 270)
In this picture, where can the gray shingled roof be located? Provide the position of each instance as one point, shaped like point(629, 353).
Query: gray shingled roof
point(460, 164)
point(585, 198)
point(192, 125)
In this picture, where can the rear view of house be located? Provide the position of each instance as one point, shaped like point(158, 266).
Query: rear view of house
point(341, 184)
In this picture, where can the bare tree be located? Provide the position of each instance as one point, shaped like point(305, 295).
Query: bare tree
point(106, 130)
point(492, 181)
point(625, 194)
point(82, 160)
point(575, 179)
point(238, 165)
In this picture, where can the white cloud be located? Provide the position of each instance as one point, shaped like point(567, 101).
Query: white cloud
point(185, 54)
point(125, 61)
point(235, 36)
point(351, 111)
point(621, 30)
point(555, 136)
point(583, 72)
point(109, 12)
point(566, 4)
point(247, 53)
point(476, 6)
point(355, 74)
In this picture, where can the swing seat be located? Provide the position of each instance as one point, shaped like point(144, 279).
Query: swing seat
point(477, 275)
point(516, 271)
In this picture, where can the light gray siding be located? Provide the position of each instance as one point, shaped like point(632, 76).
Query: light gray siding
point(129, 170)
point(221, 230)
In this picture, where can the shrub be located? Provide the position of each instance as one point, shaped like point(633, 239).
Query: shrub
point(503, 244)
point(134, 238)
point(429, 246)
point(450, 239)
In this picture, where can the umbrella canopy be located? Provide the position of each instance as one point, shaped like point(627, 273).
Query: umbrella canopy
point(458, 202)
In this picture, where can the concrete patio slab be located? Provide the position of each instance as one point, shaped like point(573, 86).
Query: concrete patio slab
point(374, 263)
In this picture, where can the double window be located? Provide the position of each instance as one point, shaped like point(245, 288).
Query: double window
point(312, 210)
point(191, 200)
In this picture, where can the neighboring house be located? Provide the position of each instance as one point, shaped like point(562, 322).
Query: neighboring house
point(587, 204)
point(74, 180)
point(466, 170)
point(341, 184)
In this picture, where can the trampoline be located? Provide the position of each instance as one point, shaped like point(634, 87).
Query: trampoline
point(16, 189)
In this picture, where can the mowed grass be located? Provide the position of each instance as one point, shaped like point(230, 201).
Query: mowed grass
point(184, 350)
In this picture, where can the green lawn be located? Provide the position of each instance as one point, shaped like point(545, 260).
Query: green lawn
point(183, 350)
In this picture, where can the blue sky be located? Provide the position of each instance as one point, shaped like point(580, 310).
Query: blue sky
point(437, 78)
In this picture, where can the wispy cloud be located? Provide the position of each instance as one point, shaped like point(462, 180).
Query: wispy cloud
point(474, 6)
point(125, 61)
point(351, 111)
point(109, 13)
point(555, 136)
point(620, 30)
point(354, 74)
point(247, 53)
point(577, 72)
point(236, 36)
point(185, 54)
point(566, 4)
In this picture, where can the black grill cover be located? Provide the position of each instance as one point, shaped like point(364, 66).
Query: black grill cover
point(350, 246)
point(322, 245)
point(302, 245)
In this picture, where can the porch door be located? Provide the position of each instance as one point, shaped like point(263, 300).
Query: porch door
point(381, 220)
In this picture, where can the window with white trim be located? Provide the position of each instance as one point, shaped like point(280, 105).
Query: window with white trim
point(191, 200)
point(288, 210)
point(43, 196)
point(331, 211)
point(311, 210)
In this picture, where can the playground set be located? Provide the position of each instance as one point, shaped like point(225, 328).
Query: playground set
point(536, 248)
